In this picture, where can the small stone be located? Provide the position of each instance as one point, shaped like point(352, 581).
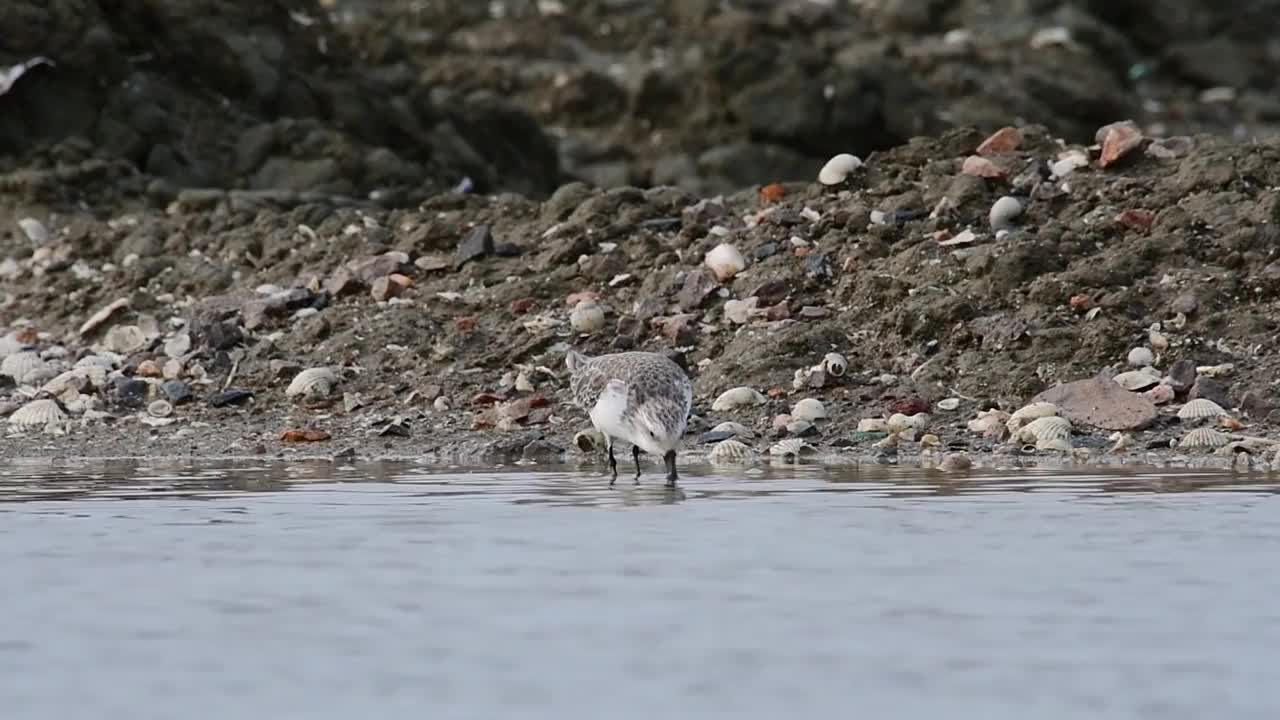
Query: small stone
point(813, 312)
point(1255, 404)
point(1003, 212)
point(1136, 219)
point(955, 462)
point(384, 288)
point(1118, 140)
point(476, 244)
point(1210, 389)
point(949, 403)
point(131, 393)
point(1181, 376)
point(1006, 139)
point(1186, 303)
point(698, 286)
point(230, 396)
point(149, 369)
point(976, 166)
point(176, 391)
point(341, 282)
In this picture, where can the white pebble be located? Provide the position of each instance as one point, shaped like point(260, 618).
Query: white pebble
point(838, 168)
point(586, 316)
point(1004, 211)
point(35, 230)
point(809, 409)
point(1141, 357)
point(725, 261)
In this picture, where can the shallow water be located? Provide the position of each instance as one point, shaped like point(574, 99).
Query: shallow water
point(311, 590)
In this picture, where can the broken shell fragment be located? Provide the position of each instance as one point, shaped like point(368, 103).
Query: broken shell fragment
point(872, 425)
point(791, 448)
point(738, 397)
point(730, 451)
point(1200, 409)
point(1204, 438)
point(809, 409)
point(949, 403)
point(835, 364)
point(724, 261)
point(160, 409)
point(1027, 413)
point(837, 169)
point(1137, 380)
point(312, 383)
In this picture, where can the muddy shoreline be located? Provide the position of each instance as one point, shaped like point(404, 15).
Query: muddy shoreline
point(430, 205)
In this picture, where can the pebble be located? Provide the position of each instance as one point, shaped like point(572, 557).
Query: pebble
point(724, 261)
point(837, 169)
point(1003, 212)
point(230, 396)
point(176, 391)
point(1118, 140)
point(1210, 389)
point(477, 243)
point(976, 166)
point(131, 393)
point(1181, 375)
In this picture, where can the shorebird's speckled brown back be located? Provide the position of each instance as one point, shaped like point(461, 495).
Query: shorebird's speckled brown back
point(654, 382)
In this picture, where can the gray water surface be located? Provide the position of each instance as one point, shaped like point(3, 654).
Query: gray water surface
point(313, 590)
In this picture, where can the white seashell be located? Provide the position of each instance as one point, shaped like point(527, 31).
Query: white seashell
point(35, 230)
point(949, 403)
point(871, 425)
point(988, 420)
point(898, 422)
point(792, 447)
point(523, 384)
point(1046, 428)
point(1003, 212)
point(38, 413)
point(22, 365)
point(178, 345)
point(809, 409)
point(103, 315)
point(312, 382)
point(724, 261)
point(587, 316)
point(738, 397)
point(835, 364)
point(160, 409)
point(731, 451)
point(588, 440)
point(838, 168)
point(125, 339)
point(738, 429)
point(73, 379)
point(1205, 438)
point(1061, 444)
point(1200, 409)
point(1141, 357)
point(1029, 413)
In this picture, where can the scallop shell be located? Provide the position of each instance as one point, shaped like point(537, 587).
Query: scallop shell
point(809, 409)
point(730, 451)
point(738, 429)
point(1027, 413)
point(21, 365)
point(312, 382)
point(793, 447)
point(837, 169)
point(160, 409)
point(1200, 409)
point(835, 364)
point(1050, 427)
point(38, 413)
point(1204, 438)
point(1061, 444)
point(1137, 380)
point(737, 397)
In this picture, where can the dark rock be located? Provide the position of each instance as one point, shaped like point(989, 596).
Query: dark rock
point(1182, 375)
point(506, 249)
point(476, 244)
point(765, 251)
point(395, 427)
point(230, 396)
point(1255, 404)
point(131, 393)
point(176, 391)
point(1210, 389)
point(697, 287)
point(817, 266)
point(223, 335)
point(771, 292)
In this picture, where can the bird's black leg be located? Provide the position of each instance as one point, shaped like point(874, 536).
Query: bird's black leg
point(613, 465)
point(670, 459)
point(635, 453)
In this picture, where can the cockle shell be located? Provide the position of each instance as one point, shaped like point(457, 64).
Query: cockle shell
point(1137, 380)
point(724, 261)
point(738, 429)
point(588, 440)
point(838, 168)
point(1050, 427)
point(22, 365)
point(1204, 438)
point(38, 413)
point(738, 397)
point(791, 448)
point(312, 382)
point(1200, 409)
point(1027, 413)
point(160, 409)
point(1061, 444)
point(809, 409)
point(835, 364)
point(731, 451)
point(587, 316)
